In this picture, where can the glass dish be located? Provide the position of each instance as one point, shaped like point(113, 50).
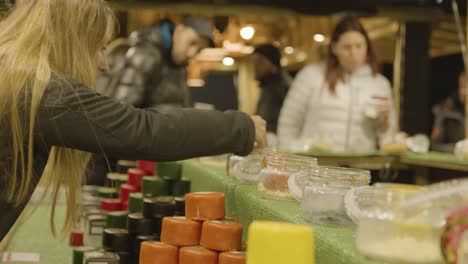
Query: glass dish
point(276, 171)
point(324, 189)
point(363, 200)
point(411, 232)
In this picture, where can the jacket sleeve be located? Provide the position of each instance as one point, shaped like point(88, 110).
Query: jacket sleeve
point(293, 113)
point(141, 63)
point(392, 122)
point(73, 116)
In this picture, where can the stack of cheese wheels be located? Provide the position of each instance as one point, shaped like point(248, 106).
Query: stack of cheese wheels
point(203, 236)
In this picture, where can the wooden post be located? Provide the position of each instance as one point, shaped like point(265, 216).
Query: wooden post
point(466, 76)
point(398, 71)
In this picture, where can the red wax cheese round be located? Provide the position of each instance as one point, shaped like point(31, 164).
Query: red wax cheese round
point(148, 166)
point(125, 191)
point(197, 255)
point(76, 238)
point(204, 206)
point(221, 235)
point(158, 253)
point(180, 231)
point(135, 177)
point(125, 206)
point(233, 257)
point(111, 205)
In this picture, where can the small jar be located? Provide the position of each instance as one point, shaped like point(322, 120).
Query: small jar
point(247, 169)
point(277, 170)
point(324, 192)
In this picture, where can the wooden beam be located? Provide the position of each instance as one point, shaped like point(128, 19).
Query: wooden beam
point(388, 30)
point(466, 76)
point(398, 71)
point(438, 52)
point(439, 34)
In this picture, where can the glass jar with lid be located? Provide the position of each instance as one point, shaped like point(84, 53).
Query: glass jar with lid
point(324, 189)
point(413, 229)
point(277, 168)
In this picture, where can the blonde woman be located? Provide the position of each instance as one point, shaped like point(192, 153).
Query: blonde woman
point(51, 119)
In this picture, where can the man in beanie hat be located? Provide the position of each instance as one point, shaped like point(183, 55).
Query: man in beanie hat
point(154, 72)
point(274, 83)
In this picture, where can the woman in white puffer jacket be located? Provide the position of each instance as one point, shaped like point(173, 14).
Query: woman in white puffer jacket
point(344, 100)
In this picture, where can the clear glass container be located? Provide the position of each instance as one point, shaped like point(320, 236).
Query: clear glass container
point(246, 169)
point(277, 168)
point(366, 200)
point(411, 232)
point(324, 190)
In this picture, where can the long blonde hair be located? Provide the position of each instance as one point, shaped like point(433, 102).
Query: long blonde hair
point(40, 39)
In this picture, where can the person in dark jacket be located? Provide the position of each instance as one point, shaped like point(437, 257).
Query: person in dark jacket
point(51, 118)
point(274, 83)
point(154, 72)
point(449, 119)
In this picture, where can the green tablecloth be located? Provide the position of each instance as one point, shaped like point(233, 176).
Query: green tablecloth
point(378, 159)
point(34, 236)
point(434, 160)
point(333, 245)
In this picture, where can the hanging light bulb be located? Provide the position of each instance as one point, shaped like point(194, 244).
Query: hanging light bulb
point(247, 32)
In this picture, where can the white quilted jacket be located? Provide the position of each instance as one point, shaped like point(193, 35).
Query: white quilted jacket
point(310, 109)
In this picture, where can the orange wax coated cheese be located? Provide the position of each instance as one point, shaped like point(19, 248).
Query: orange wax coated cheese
point(204, 206)
point(158, 253)
point(221, 235)
point(180, 231)
point(234, 257)
point(197, 255)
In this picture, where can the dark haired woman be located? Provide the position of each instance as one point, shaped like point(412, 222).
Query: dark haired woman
point(344, 99)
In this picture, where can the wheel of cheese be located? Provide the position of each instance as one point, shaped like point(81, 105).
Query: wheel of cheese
point(158, 253)
point(148, 166)
point(76, 238)
point(135, 176)
point(117, 219)
point(107, 192)
point(170, 170)
point(221, 235)
point(279, 243)
point(180, 231)
point(154, 187)
point(233, 257)
point(158, 207)
point(124, 165)
point(135, 203)
point(204, 206)
point(135, 243)
point(138, 225)
point(111, 205)
point(179, 206)
point(197, 255)
point(90, 189)
point(125, 191)
point(181, 187)
point(116, 240)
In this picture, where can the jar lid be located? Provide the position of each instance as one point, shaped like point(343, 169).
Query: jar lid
point(287, 162)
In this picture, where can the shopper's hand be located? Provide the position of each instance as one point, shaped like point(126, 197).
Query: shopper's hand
point(384, 115)
point(260, 132)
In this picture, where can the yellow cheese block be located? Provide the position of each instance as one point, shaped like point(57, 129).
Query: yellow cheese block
point(280, 243)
